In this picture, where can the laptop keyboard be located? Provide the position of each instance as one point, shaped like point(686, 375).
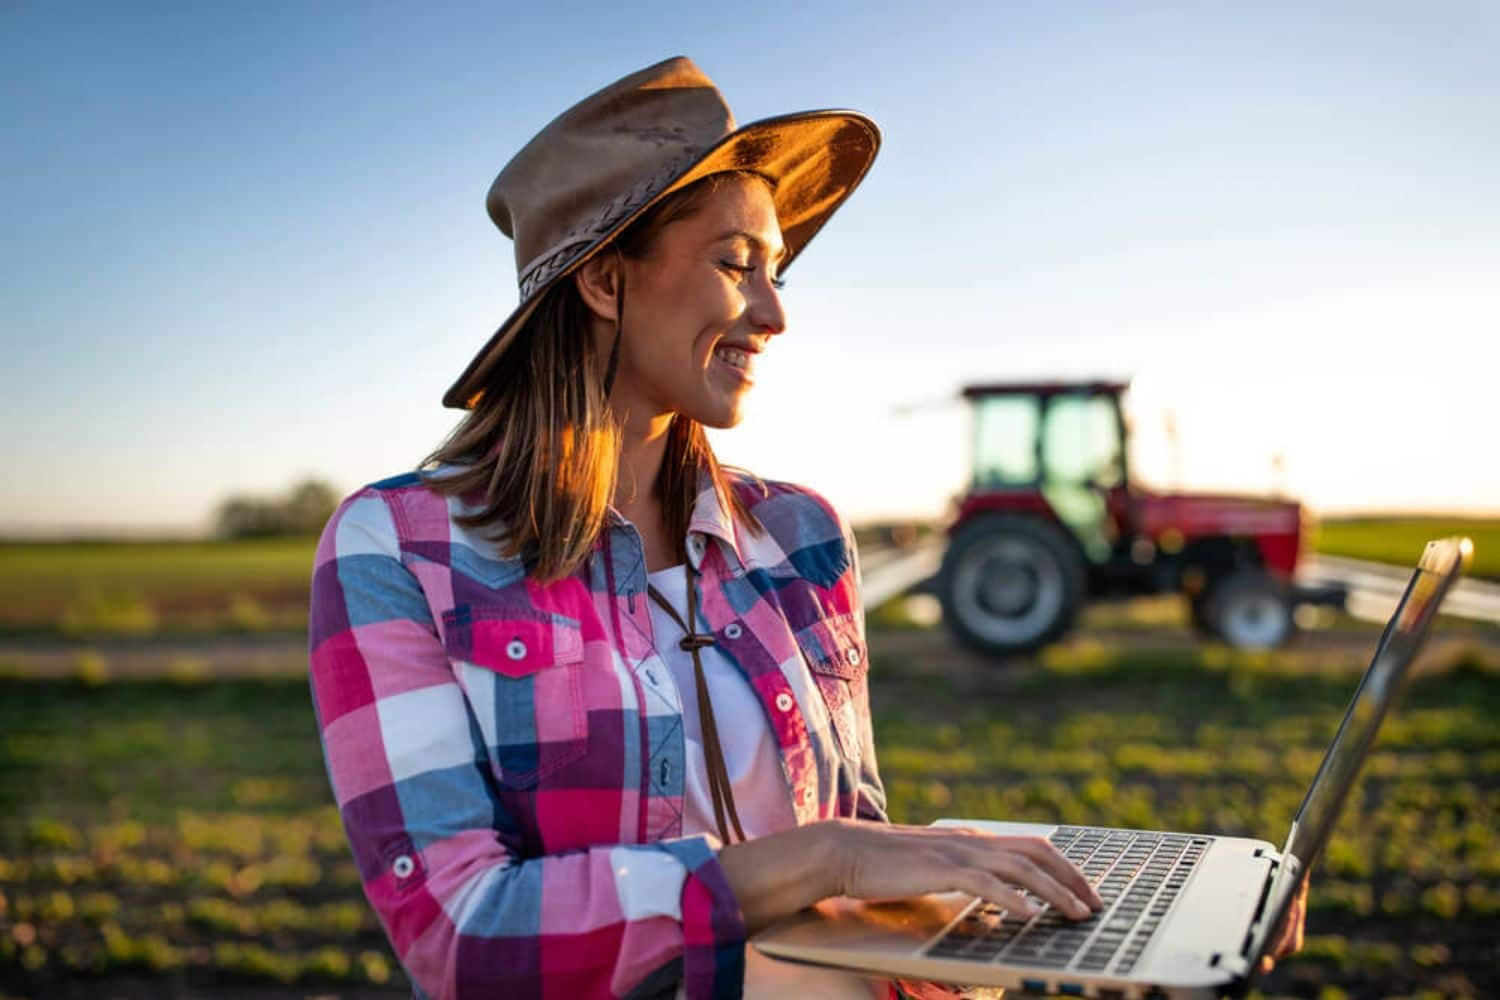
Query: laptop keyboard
point(1137, 874)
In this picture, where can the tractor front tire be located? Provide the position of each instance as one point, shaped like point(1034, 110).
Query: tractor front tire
point(1010, 584)
point(1250, 609)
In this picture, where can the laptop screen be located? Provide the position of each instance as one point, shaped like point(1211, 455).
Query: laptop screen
point(1441, 564)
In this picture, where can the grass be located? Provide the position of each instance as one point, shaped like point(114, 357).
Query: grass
point(179, 832)
point(135, 588)
point(1400, 540)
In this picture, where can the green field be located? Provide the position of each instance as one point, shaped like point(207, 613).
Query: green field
point(1400, 540)
point(148, 587)
point(159, 837)
point(155, 588)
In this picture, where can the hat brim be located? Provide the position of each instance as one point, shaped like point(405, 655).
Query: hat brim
point(814, 159)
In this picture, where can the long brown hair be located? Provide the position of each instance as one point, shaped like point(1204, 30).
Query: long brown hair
point(541, 446)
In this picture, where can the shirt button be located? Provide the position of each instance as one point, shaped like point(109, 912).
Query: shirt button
point(784, 702)
point(853, 656)
point(516, 650)
point(404, 866)
point(804, 796)
point(733, 630)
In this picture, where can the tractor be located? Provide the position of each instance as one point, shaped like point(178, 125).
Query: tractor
point(1052, 519)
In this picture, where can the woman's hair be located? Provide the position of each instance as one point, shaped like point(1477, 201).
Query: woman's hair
point(541, 445)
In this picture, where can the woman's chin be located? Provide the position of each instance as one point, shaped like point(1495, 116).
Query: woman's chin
point(721, 414)
point(723, 421)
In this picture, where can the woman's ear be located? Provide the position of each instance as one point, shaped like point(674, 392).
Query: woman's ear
point(598, 281)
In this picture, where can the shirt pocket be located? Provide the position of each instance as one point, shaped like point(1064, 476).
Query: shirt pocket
point(523, 673)
point(838, 660)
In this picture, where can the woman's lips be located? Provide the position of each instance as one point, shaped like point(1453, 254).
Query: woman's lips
point(739, 363)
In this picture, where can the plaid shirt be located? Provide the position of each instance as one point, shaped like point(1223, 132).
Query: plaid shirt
point(508, 757)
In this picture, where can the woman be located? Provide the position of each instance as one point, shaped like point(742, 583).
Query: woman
point(594, 706)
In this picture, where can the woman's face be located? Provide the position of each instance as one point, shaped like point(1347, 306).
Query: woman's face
point(700, 307)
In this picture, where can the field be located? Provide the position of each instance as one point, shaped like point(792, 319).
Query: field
point(146, 588)
point(166, 826)
point(1399, 540)
point(173, 836)
point(103, 589)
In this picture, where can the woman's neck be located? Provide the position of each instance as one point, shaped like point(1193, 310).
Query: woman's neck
point(643, 447)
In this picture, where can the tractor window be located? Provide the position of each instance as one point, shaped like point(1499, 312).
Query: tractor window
point(1081, 442)
point(1005, 433)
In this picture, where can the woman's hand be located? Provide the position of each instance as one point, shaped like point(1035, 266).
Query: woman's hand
point(1288, 940)
point(882, 860)
point(778, 875)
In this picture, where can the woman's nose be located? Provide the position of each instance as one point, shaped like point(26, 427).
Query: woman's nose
point(765, 312)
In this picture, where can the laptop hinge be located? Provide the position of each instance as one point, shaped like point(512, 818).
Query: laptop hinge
point(1242, 960)
point(1273, 856)
point(1235, 965)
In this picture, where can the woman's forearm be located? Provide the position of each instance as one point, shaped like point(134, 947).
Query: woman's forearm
point(777, 875)
point(780, 874)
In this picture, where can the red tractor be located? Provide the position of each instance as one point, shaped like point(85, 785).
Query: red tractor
point(1052, 519)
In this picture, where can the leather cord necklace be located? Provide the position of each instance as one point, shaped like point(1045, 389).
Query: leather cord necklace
point(713, 751)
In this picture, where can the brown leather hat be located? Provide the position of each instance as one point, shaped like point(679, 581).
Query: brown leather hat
point(604, 161)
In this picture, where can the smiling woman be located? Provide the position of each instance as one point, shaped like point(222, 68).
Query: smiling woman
point(595, 708)
point(703, 297)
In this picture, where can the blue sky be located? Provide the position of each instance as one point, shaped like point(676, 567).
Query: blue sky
point(247, 244)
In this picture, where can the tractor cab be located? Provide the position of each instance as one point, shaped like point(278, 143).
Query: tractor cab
point(1051, 519)
point(1055, 447)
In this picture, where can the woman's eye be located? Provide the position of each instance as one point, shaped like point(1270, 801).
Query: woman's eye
point(745, 270)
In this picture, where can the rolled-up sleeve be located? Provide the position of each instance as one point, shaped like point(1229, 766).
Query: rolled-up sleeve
point(437, 847)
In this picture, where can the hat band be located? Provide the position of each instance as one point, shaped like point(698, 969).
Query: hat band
point(588, 234)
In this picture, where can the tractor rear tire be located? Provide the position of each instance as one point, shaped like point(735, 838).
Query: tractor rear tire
point(1250, 609)
point(1010, 584)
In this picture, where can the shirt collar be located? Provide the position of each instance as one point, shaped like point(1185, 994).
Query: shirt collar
point(711, 519)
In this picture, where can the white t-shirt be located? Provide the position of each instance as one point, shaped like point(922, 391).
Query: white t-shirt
point(761, 795)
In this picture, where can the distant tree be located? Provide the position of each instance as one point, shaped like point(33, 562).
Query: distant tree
point(303, 510)
point(308, 507)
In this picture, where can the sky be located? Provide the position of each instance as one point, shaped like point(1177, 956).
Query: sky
point(246, 244)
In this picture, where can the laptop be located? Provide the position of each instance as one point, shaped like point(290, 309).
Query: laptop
point(1185, 914)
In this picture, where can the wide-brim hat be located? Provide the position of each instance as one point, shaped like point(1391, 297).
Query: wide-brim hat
point(599, 165)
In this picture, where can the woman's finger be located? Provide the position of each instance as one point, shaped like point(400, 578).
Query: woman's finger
point(1046, 854)
point(1021, 870)
point(977, 882)
point(1289, 940)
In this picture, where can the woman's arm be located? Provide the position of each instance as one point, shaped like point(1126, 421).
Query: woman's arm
point(777, 875)
point(436, 847)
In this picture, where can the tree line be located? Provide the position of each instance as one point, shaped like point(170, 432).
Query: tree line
point(302, 510)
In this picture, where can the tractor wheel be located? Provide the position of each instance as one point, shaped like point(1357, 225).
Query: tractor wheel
point(1250, 609)
point(1010, 584)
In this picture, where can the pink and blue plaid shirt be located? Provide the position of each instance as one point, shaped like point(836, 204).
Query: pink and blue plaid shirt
point(508, 757)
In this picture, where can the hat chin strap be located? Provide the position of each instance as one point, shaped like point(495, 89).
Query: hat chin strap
point(614, 352)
